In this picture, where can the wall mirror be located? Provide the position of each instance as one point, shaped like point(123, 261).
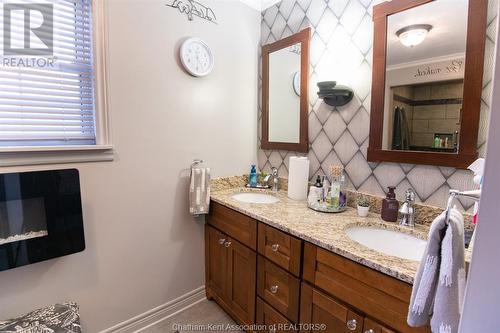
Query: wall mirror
point(427, 81)
point(285, 75)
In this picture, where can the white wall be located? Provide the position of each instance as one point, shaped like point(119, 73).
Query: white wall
point(143, 249)
point(482, 298)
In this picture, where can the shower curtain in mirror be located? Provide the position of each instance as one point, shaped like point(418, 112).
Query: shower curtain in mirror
point(401, 132)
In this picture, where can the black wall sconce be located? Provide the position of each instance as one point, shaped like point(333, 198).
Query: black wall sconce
point(333, 94)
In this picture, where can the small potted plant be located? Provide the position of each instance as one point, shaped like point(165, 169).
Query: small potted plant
point(363, 206)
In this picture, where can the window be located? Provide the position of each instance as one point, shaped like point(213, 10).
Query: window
point(47, 89)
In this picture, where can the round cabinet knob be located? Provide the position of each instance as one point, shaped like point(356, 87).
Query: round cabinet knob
point(275, 247)
point(222, 241)
point(227, 244)
point(352, 325)
point(274, 289)
point(370, 331)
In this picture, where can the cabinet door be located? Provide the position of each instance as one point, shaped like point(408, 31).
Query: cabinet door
point(319, 312)
point(371, 326)
point(241, 283)
point(215, 263)
point(271, 320)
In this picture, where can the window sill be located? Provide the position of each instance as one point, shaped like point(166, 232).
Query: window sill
point(19, 156)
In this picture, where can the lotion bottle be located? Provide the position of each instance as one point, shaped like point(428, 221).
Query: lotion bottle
point(390, 206)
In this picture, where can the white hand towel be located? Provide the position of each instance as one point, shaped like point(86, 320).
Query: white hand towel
point(439, 285)
point(199, 191)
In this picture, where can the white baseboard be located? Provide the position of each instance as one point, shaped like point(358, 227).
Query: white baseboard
point(160, 313)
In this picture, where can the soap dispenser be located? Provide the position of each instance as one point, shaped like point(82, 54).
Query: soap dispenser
point(390, 206)
point(252, 178)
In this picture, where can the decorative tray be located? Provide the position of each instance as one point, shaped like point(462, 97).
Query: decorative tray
point(259, 186)
point(323, 208)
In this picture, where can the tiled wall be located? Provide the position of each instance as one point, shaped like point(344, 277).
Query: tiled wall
point(341, 49)
point(436, 118)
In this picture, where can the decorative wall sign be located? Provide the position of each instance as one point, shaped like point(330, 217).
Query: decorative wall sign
point(455, 66)
point(193, 8)
point(430, 71)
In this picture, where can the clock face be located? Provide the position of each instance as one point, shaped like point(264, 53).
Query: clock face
point(196, 57)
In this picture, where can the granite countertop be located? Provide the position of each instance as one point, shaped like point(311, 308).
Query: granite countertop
point(324, 230)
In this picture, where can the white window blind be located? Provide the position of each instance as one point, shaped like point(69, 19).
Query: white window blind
point(51, 105)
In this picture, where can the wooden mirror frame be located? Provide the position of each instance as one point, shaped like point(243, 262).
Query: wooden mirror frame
point(473, 81)
point(303, 38)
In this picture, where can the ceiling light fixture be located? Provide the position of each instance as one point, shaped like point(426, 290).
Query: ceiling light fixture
point(413, 35)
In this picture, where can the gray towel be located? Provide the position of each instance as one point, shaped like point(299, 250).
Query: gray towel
point(439, 285)
point(199, 191)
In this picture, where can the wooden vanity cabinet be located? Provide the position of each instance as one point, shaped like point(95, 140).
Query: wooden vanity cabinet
point(290, 282)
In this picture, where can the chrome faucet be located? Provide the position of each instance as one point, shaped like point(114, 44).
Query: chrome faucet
point(274, 175)
point(407, 210)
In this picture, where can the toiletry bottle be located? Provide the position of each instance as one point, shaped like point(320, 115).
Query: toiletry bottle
point(252, 179)
point(319, 188)
point(318, 182)
point(437, 142)
point(390, 206)
point(335, 195)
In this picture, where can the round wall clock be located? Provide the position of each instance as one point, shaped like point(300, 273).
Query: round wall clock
point(196, 57)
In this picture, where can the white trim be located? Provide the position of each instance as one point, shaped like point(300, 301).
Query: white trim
point(160, 313)
point(101, 75)
point(16, 158)
point(19, 149)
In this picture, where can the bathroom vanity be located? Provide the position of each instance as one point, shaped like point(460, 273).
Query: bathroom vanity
point(285, 265)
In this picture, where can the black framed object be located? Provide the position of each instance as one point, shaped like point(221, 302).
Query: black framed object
point(40, 216)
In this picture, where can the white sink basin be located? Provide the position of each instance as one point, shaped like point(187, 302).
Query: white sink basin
point(389, 242)
point(256, 198)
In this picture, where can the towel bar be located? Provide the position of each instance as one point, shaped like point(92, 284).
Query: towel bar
point(474, 195)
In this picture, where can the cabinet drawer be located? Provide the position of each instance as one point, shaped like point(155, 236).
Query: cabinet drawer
point(234, 224)
point(281, 248)
point(378, 295)
point(371, 326)
point(272, 320)
point(278, 288)
point(320, 312)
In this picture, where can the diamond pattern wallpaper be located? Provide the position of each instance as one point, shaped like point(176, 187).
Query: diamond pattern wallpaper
point(341, 50)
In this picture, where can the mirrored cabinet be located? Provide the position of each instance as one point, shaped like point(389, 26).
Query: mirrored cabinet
point(285, 74)
point(427, 81)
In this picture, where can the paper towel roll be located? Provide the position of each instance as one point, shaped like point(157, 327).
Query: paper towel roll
point(298, 178)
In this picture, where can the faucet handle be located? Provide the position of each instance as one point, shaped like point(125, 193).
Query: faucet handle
point(274, 171)
point(410, 195)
